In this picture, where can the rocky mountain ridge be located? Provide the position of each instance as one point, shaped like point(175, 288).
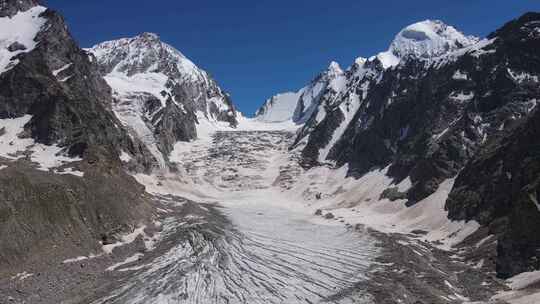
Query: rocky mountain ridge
point(429, 106)
point(160, 95)
point(66, 138)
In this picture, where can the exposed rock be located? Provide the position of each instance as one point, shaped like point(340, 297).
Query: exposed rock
point(437, 104)
point(393, 194)
point(16, 46)
point(161, 95)
point(329, 216)
point(70, 107)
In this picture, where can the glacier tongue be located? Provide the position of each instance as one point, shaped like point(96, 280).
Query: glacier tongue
point(260, 247)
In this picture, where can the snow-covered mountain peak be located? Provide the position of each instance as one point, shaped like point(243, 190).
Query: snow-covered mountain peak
point(145, 53)
point(334, 68)
point(429, 38)
point(425, 39)
point(161, 95)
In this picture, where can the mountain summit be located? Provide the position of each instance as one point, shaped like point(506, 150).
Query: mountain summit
point(161, 95)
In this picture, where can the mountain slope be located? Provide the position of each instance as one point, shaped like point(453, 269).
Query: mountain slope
point(299, 106)
point(428, 106)
point(61, 174)
point(160, 95)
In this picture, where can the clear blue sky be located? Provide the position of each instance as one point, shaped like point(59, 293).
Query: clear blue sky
point(258, 48)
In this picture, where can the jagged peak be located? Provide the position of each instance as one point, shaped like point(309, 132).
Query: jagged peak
point(334, 67)
point(145, 53)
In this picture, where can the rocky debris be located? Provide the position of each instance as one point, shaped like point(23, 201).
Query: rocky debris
point(415, 272)
point(329, 216)
point(318, 212)
point(75, 275)
point(393, 194)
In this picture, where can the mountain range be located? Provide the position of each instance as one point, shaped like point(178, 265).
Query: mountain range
point(81, 130)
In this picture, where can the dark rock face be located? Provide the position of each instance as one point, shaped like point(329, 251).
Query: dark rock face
point(499, 188)
point(60, 86)
point(71, 109)
point(430, 119)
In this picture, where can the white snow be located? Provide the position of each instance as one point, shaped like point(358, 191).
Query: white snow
point(520, 77)
point(136, 50)
point(153, 83)
point(125, 157)
point(125, 239)
point(80, 258)
point(60, 70)
point(22, 276)
point(70, 171)
point(534, 199)
point(11, 146)
point(348, 109)
point(300, 106)
point(27, 25)
point(341, 195)
point(523, 280)
point(522, 292)
point(458, 75)
point(279, 108)
point(424, 40)
point(128, 260)
point(462, 96)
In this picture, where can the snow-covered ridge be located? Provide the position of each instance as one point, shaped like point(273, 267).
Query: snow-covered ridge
point(22, 40)
point(144, 63)
point(299, 106)
point(145, 53)
point(425, 39)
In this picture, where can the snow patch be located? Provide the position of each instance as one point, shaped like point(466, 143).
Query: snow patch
point(60, 70)
point(125, 239)
point(22, 28)
point(131, 259)
point(125, 157)
point(458, 75)
point(22, 276)
point(12, 147)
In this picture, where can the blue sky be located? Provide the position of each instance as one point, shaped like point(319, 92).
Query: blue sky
point(258, 48)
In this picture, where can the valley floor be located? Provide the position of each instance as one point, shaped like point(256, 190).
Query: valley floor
point(237, 224)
